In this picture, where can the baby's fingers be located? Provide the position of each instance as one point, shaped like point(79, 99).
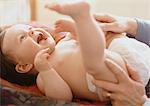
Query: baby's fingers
point(47, 50)
point(41, 60)
point(43, 53)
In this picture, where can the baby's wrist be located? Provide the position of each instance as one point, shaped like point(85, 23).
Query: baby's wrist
point(45, 72)
point(46, 68)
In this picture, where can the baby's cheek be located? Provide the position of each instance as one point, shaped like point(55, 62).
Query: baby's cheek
point(31, 49)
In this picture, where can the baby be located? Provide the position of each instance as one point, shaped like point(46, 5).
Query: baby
point(67, 68)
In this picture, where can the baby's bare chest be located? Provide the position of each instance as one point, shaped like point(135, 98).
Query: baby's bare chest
point(67, 59)
point(69, 66)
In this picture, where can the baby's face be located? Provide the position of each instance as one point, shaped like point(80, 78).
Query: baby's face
point(23, 42)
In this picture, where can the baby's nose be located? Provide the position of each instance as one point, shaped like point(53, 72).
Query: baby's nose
point(35, 33)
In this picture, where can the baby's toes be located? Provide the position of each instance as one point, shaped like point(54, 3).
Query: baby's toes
point(58, 29)
point(54, 6)
point(58, 22)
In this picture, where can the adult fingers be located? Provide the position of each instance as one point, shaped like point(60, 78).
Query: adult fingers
point(133, 74)
point(109, 86)
point(109, 27)
point(107, 18)
point(116, 96)
point(117, 70)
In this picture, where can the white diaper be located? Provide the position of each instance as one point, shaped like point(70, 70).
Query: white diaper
point(135, 53)
point(94, 89)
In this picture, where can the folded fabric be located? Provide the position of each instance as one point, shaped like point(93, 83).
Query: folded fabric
point(12, 94)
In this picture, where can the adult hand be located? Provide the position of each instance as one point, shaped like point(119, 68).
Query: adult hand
point(128, 91)
point(117, 24)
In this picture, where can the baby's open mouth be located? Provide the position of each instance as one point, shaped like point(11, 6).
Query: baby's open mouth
point(41, 37)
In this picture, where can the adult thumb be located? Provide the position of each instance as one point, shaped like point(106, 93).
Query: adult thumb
point(133, 73)
point(108, 27)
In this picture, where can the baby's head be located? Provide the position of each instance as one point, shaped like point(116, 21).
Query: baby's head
point(19, 45)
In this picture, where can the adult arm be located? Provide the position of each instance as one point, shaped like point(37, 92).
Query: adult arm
point(143, 31)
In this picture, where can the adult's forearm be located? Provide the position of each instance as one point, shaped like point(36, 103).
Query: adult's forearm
point(143, 31)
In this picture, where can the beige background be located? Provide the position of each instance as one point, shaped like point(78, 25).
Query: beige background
point(129, 8)
point(13, 11)
point(18, 10)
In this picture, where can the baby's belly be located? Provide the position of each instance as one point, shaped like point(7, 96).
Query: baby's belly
point(70, 68)
point(73, 72)
point(78, 85)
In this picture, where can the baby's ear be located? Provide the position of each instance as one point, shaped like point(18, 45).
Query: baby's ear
point(24, 68)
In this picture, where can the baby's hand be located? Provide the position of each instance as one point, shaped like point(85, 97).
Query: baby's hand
point(41, 60)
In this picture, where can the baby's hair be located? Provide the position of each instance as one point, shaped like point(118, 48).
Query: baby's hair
point(7, 67)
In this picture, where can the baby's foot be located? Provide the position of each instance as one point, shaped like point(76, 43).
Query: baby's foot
point(72, 9)
point(64, 25)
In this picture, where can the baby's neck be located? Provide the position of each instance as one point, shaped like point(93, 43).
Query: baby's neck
point(111, 36)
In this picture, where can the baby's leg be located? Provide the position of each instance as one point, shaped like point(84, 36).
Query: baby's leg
point(91, 37)
point(64, 25)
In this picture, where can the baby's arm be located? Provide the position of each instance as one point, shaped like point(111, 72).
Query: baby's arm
point(48, 80)
point(54, 86)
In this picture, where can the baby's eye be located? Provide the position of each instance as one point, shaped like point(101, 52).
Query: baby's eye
point(23, 37)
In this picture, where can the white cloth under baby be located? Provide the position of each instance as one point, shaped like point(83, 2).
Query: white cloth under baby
point(135, 53)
